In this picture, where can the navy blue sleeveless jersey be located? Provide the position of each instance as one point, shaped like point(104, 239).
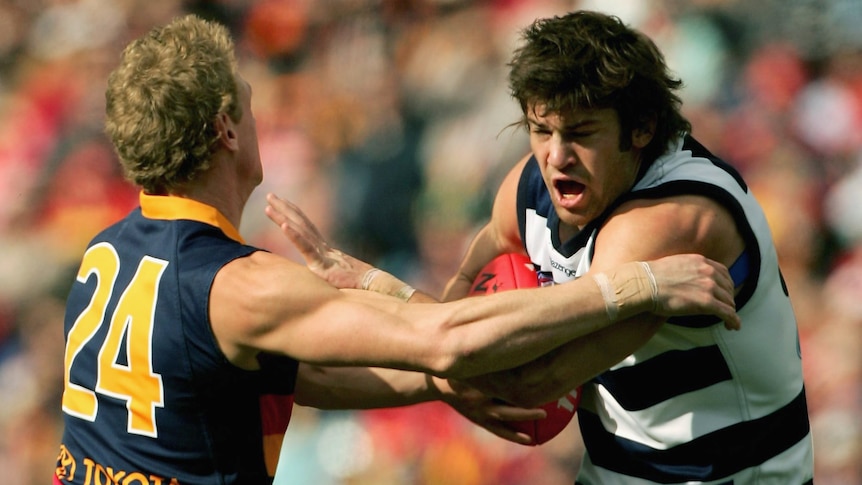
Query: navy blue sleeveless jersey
point(697, 404)
point(149, 398)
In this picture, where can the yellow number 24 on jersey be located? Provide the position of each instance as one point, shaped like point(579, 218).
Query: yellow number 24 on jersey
point(131, 323)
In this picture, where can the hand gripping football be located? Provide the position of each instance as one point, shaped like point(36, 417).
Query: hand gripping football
point(508, 272)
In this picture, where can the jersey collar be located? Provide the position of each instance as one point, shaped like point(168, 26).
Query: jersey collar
point(170, 207)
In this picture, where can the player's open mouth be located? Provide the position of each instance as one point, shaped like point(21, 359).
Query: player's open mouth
point(569, 189)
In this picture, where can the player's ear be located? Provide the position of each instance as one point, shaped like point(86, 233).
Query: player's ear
point(642, 135)
point(226, 132)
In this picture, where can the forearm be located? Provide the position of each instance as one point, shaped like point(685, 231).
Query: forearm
point(466, 337)
point(361, 387)
point(518, 326)
point(569, 366)
point(316, 324)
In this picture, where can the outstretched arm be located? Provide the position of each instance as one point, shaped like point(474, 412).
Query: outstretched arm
point(685, 284)
point(265, 303)
point(375, 387)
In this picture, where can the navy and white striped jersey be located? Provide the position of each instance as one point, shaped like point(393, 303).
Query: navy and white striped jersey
point(697, 403)
point(149, 397)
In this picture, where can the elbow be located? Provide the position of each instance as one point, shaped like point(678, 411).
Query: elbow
point(466, 342)
point(449, 351)
point(451, 364)
point(452, 358)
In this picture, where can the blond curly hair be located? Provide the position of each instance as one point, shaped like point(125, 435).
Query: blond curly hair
point(163, 99)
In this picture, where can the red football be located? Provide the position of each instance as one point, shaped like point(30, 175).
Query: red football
point(560, 413)
point(508, 272)
point(505, 272)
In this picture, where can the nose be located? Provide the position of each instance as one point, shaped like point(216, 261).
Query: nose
point(559, 152)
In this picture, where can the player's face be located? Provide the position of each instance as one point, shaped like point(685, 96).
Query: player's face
point(581, 161)
point(249, 154)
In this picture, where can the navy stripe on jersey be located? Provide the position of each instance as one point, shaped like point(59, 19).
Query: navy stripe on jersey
point(636, 387)
point(739, 269)
point(706, 458)
point(531, 194)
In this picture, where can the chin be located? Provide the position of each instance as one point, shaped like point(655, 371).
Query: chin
point(571, 219)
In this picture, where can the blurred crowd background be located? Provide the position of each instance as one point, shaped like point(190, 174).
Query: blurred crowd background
point(388, 122)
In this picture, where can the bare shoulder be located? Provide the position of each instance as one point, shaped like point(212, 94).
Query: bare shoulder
point(652, 228)
point(504, 214)
point(252, 295)
point(257, 275)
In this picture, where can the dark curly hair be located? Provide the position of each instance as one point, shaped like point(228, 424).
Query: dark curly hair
point(163, 99)
point(592, 60)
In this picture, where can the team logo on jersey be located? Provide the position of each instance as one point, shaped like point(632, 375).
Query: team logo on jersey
point(569, 273)
point(98, 474)
point(66, 464)
point(546, 278)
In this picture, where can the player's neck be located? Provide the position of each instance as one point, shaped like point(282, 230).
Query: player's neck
point(567, 231)
point(224, 197)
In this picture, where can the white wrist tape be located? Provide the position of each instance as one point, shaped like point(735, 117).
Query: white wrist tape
point(652, 283)
point(608, 294)
point(405, 292)
point(368, 277)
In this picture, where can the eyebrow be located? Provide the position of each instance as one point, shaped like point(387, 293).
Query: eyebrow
point(566, 125)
